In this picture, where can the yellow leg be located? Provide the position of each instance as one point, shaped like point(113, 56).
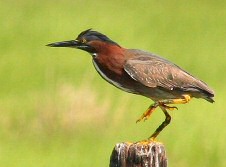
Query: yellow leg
point(163, 104)
point(162, 126)
point(169, 107)
point(184, 100)
point(148, 113)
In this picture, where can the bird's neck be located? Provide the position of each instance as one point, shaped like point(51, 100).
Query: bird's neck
point(106, 48)
point(111, 57)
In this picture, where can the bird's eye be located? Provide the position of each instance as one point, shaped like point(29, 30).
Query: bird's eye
point(83, 40)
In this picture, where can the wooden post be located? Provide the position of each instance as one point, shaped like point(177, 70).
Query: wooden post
point(140, 154)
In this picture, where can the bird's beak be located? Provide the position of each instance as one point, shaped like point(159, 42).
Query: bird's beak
point(71, 43)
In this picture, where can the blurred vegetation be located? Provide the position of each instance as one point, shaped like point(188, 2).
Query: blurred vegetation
point(55, 109)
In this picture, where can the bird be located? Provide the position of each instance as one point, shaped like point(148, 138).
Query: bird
point(142, 73)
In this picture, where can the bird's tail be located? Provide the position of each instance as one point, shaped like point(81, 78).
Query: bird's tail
point(207, 94)
point(209, 99)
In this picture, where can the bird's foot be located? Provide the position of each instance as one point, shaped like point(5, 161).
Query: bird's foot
point(148, 113)
point(171, 108)
point(148, 141)
point(144, 117)
point(153, 139)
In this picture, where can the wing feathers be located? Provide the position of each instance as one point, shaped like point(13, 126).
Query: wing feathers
point(154, 72)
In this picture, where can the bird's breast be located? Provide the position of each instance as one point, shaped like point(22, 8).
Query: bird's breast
point(113, 72)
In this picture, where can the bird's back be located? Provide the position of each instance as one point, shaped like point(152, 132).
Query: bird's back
point(156, 72)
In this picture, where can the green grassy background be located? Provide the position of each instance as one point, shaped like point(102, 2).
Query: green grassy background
point(56, 111)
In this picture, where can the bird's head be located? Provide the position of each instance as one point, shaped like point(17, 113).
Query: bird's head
point(88, 40)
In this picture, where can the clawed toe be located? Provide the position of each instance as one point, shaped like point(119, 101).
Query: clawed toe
point(169, 107)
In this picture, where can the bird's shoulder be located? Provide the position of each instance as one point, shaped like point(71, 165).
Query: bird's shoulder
point(146, 56)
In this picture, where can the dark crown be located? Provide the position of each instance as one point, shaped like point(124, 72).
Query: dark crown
point(90, 35)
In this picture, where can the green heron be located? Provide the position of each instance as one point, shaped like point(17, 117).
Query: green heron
point(140, 72)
